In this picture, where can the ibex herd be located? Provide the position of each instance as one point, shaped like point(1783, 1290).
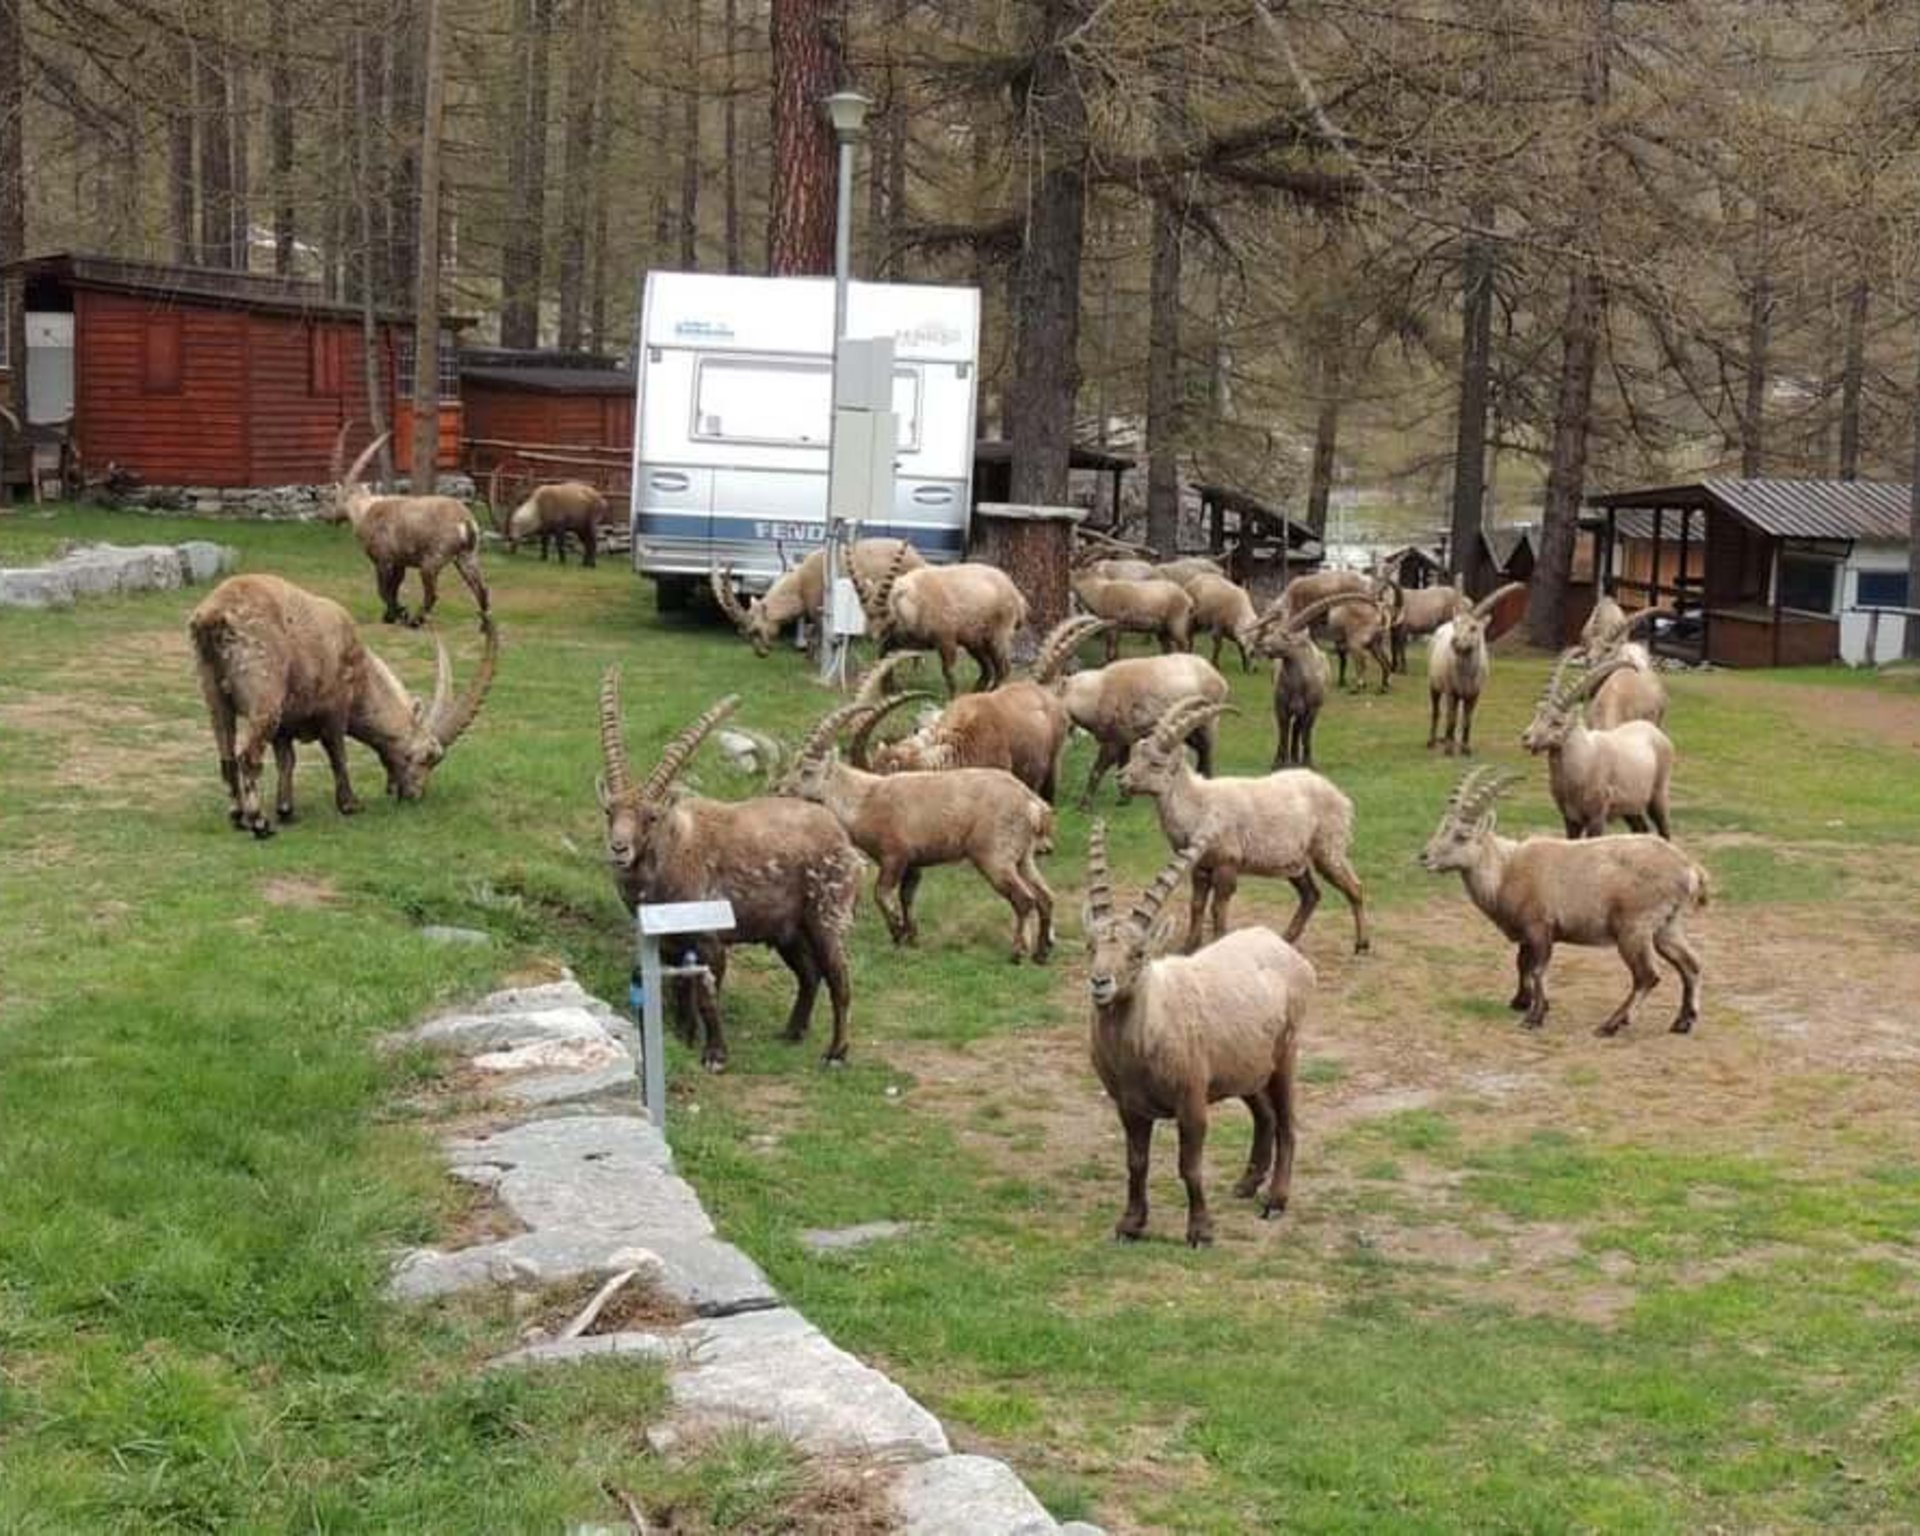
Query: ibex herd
point(974, 781)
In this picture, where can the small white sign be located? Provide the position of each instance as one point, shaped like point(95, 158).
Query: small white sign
point(687, 917)
point(849, 618)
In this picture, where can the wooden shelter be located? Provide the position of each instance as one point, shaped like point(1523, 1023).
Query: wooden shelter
point(194, 376)
point(538, 416)
point(1760, 572)
point(993, 476)
point(1260, 544)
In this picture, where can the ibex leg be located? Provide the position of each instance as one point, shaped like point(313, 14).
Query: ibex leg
point(1280, 1091)
point(1681, 955)
point(334, 743)
point(1260, 1159)
point(1193, 1172)
point(283, 777)
point(1139, 1129)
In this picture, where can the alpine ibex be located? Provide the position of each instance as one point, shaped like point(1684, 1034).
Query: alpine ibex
point(402, 533)
point(786, 866)
point(279, 665)
point(1301, 678)
point(1119, 703)
point(1292, 824)
point(1635, 691)
point(1422, 611)
point(949, 609)
point(1458, 665)
point(800, 594)
point(1631, 892)
point(1173, 1035)
point(1599, 775)
point(1151, 607)
point(553, 513)
point(1223, 609)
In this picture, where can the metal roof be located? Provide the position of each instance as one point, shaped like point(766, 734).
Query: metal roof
point(999, 450)
point(552, 381)
point(1638, 524)
point(1789, 509)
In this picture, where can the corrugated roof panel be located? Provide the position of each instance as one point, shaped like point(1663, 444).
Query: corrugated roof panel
point(1818, 509)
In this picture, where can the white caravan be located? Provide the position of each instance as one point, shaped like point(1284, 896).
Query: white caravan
point(730, 443)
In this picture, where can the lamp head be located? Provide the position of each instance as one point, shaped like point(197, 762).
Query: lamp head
point(847, 111)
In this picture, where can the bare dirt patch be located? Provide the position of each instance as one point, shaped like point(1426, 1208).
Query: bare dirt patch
point(1892, 719)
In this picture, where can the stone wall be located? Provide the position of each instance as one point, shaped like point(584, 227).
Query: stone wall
point(270, 503)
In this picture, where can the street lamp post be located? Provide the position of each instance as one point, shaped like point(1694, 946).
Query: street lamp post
point(847, 112)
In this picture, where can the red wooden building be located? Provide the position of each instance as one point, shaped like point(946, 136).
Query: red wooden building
point(534, 416)
point(198, 376)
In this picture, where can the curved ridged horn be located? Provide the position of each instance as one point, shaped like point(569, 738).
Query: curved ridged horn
point(337, 460)
point(682, 747)
point(1486, 604)
point(858, 752)
point(1642, 616)
point(1279, 619)
point(721, 580)
point(1399, 597)
point(449, 721)
point(1146, 910)
point(1590, 684)
point(874, 680)
point(827, 728)
point(876, 597)
point(366, 455)
point(1478, 790)
point(1066, 637)
point(1556, 681)
point(1099, 876)
point(1183, 719)
point(613, 746)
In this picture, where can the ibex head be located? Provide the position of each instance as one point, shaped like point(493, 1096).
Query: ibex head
point(1558, 711)
point(1468, 818)
point(1470, 626)
point(436, 724)
point(1282, 634)
point(1157, 759)
point(633, 811)
point(1124, 946)
point(752, 620)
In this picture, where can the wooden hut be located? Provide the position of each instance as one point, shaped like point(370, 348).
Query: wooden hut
point(194, 376)
point(546, 400)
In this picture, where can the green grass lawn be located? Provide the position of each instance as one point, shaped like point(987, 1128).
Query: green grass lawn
point(1542, 1283)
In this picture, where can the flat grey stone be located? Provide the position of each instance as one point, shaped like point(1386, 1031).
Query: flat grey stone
point(439, 933)
point(202, 560)
point(498, 1030)
point(35, 587)
point(838, 1239)
point(968, 1496)
point(618, 1076)
point(588, 1187)
point(777, 1370)
point(596, 1346)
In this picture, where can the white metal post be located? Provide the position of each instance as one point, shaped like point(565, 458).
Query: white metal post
point(650, 925)
point(847, 111)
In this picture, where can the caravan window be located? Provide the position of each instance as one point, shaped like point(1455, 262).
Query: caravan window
point(782, 402)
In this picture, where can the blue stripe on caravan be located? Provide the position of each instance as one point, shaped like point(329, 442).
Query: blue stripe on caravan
point(700, 528)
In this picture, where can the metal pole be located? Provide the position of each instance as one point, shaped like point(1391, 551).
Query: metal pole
point(653, 1034)
point(831, 646)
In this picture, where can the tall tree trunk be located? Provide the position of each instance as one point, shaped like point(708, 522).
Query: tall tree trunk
point(1476, 388)
point(340, 174)
point(370, 369)
point(13, 198)
point(239, 161)
point(216, 157)
point(1573, 406)
point(1164, 385)
point(806, 69)
point(894, 130)
point(520, 255)
point(1853, 378)
point(730, 169)
point(1046, 368)
point(602, 152)
point(1753, 413)
point(690, 166)
point(426, 312)
point(405, 111)
point(576, 174)
point(1326, 437)
point(280, 137)
point(1912, 646)
point(182, 175)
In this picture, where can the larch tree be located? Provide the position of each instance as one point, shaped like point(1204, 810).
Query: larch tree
point(806, 70)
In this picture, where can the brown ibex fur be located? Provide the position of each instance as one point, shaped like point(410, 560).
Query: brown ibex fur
point(1222, 609)
point(403, 533)
point(801, 592)
point(948, 609)
point(1119, 703)
point(1301, 678)
point(1458, 666)
point(1422, 611)
point(786, 866)
point(552, 513)
point(279, 665)
point(1152, 607)
point(1597, 776)
point(1173, 1035)
point(1631, 892)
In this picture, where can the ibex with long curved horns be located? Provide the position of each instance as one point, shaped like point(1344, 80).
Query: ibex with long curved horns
point(403, 533)
point(1293, 824)
point(1635, 691)
point(1173, 1035)
point(1631, 892)
point(1301, 678)
point(786, 866)
point(1621, 773)
point(279, 664)
point(801, 592)
point(949, 609)
point(1458, 666)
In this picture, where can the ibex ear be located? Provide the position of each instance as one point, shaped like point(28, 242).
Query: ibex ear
point(600, 791)
point(1160, 938)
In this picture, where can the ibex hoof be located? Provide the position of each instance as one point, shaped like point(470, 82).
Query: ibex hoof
point(1129, 1232)
point(284, 812)
point(1247, 1187)
point(715, 1065)
point(834, 1063)
point(349, 807)
point(1682, 1025)
point(262, 830)
point(1611, 1028)
point(1199, 1237)
point(1273, 1208)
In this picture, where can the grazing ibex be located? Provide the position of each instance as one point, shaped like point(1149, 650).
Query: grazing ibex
point(1422, 611)
point(552, 513)
point(1173, 1035)
point(1301, 678)
point(1292, 824)
point(1119, 703)
point(907, 822)
point(1631, 892)
point(279, 665)
point(1151, 607)
point(800, 594)
point(949, 609)
point(786, 866)
point(402, 533)
point(1599, 775)
point(1222, 609)
point(1458, 665)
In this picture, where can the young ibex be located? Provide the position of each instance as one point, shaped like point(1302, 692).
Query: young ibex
point(1292, 824)
point(1422, 611)
point(552, 513)
point(1173, 1035)
point(786, 866)
point(907, 822)
point(1119, 703)
point(1362, 628)
point(1301, 678)
point(1458, 665)
point(278, 665)
point(1021, 726)
point(949, 609)
point(402, 533)
point(1599, 775)
point(1223, 609)
point(1152, 607)
point(1631, 892)
point(800, 594)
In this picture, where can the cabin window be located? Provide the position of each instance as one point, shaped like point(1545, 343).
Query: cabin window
point(1807, 583)
point(1882, 589)
point(448, 360)
point(161, 367)
point(326, 362)
point(783, 403)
